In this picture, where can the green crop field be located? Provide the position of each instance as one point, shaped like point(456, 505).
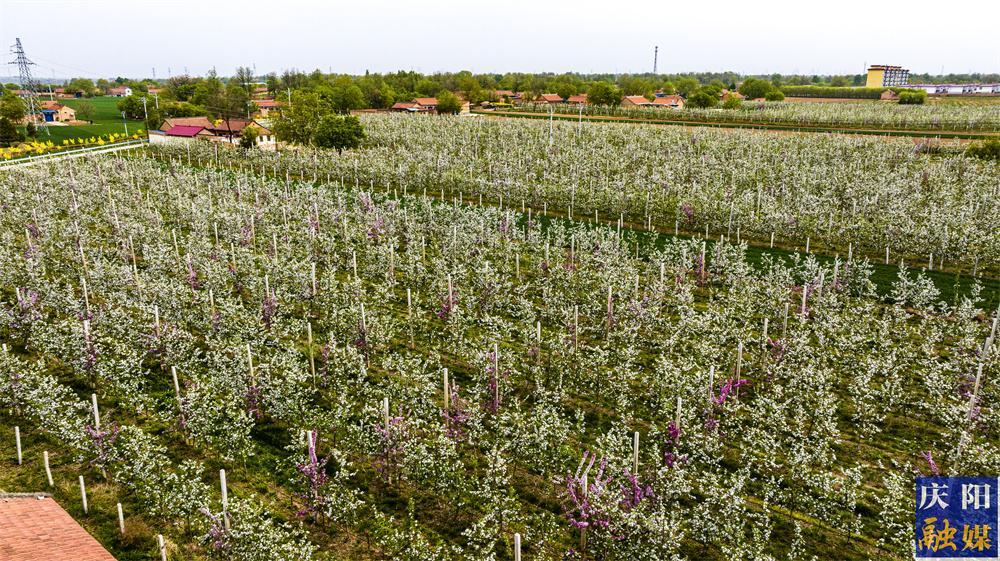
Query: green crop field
point(107, 120)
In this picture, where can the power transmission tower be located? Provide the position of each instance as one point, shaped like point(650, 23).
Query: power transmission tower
point(29, 87)
point(656, 55)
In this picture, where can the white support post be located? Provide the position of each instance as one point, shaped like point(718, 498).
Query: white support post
point(83, 495)
point(225, 498)
point(48, 471)
point(121, 519)
point(97, 414)
point(17, 442)
point(635, 453)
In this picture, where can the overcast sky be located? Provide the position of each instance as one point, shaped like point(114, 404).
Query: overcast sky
point(98, 38)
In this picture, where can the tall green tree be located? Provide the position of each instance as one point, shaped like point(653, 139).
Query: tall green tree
point(12, 107)
point(85, 111)
point(703, 98)
point(8, 132)
point(297, 122)
point(339, 132)
point(753, 88)
point(448, 103)
point(603, 93)
point(687, 86)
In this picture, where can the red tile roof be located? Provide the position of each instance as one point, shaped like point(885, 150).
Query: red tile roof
point(403, 105)
point(426, 101)
point(185, 130)
point(578, 98)
point(669, 100)
point(35, 527)
point(550, 98)
point(196, 121)
point(637, 99)
point(54, 105)
point(267, 103)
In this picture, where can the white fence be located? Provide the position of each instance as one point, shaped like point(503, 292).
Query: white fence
point(29, 160)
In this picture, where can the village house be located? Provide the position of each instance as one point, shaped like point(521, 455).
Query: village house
point(635, 101)
point(265, 106)
point(425, 103)
point(172, 122)
point(674, 101)
point(120, 91)
point(549, 98)
point(408, 106)
point(578, 99)
point(55, 112)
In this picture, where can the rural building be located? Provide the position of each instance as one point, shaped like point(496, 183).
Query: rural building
point(265, 106)
point(34, 527)
point(579, 99)
point(726, 93)
point(958, 89)
point(883, 76)
point(189, 131)
point(409, 106)
point(674, 101)
point(203, 122)
point(549, 98)
point(425, 103)
point(55, 112)
point(508, 95)
point(635, 101)
point(120, 91)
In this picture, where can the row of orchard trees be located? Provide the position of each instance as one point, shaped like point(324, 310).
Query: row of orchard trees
point(424, 380)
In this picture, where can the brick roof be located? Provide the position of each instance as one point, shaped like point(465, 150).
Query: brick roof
point(195, 121)
point(668, 100)
point(35, 527)
point(637, 99)
point(550, 98)
point(426, 101)
point(185, 130)
point(577, 98)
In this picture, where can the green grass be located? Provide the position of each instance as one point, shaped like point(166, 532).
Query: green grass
point(107, 120)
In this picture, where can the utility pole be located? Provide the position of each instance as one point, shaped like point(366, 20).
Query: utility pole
point(145, 115)
point(156, 100)
point(656, 54)
point(124, 122)
point(29, 87)
point(289, 97)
